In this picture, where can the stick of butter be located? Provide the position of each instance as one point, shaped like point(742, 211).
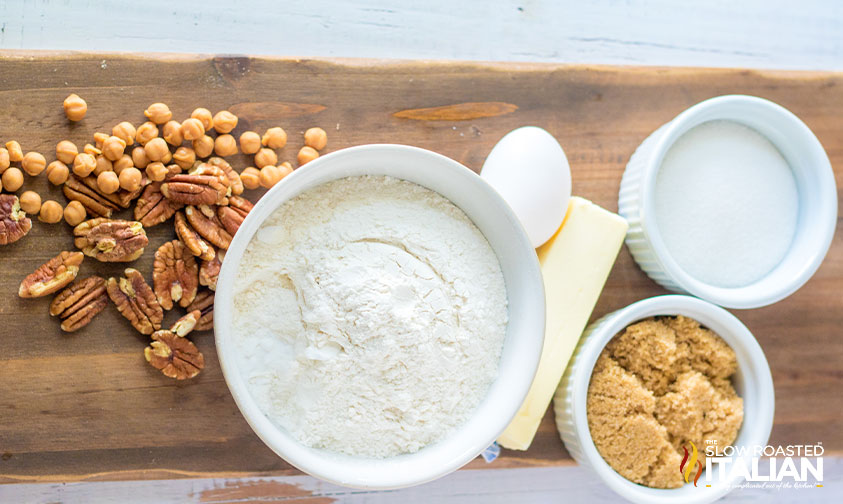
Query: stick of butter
point(575, 263)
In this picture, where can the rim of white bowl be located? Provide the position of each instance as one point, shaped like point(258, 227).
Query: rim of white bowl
point(751, 360)
point(824, 220)
point(321, 463)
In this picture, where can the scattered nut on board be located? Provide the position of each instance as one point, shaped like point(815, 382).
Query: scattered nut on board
point(152, 166)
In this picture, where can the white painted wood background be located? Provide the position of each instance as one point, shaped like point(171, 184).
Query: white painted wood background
point(785, 34)
point(797, 34)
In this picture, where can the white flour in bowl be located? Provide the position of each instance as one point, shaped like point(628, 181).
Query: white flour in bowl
point(370, 315)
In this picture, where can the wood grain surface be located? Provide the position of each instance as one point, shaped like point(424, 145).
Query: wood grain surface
point(86, 406)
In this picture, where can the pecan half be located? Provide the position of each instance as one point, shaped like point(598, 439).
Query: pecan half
point(232, 216)
point(191, 239)
point(185, 324)
point(233, 177)
point(136, 301)
point(153, 208)
point(110, 240)
point(205, 184)
point(52, 275)
point(241, 204)
point(14, 223)
point(204, 302)
point(175, 356)
point(75, 189)
point(209, 271)
point(79, 303)
point(175, 275)
point(208, 225)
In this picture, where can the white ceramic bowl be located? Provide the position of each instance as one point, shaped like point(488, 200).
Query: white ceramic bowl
point(752, 382)
point(814, 180)
point(524, 334)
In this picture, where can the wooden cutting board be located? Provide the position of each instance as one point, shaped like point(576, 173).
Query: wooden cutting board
point(86, 406)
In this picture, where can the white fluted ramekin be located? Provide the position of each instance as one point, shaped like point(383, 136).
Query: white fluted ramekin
point(814, 180)
point(752, 382)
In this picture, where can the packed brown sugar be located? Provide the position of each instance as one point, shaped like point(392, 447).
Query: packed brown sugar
point(658, 386)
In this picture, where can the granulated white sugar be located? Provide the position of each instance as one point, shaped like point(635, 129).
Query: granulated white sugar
point(726, 204)
point(370, 315)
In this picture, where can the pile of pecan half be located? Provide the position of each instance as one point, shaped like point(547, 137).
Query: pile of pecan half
point(207, 209)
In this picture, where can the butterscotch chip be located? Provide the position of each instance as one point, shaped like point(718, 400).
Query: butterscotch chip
point(205, 117)
point(14, 150)
point(159, 113)
point(265, 157)
point(57, 172)
point(204, 146)
point(5, 162)
point(75, 107)
point(316, 138)
point(30, 202)
point(306, 155)
point(224, 122)
point(274, 138)
point(146, 132)
point(33, 163)
point(172, 133)
point(66, 151)
point(125, 131)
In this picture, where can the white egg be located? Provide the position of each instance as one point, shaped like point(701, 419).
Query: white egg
point(529, 169)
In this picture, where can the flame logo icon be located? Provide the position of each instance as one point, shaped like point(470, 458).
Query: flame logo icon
point(685, 469)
